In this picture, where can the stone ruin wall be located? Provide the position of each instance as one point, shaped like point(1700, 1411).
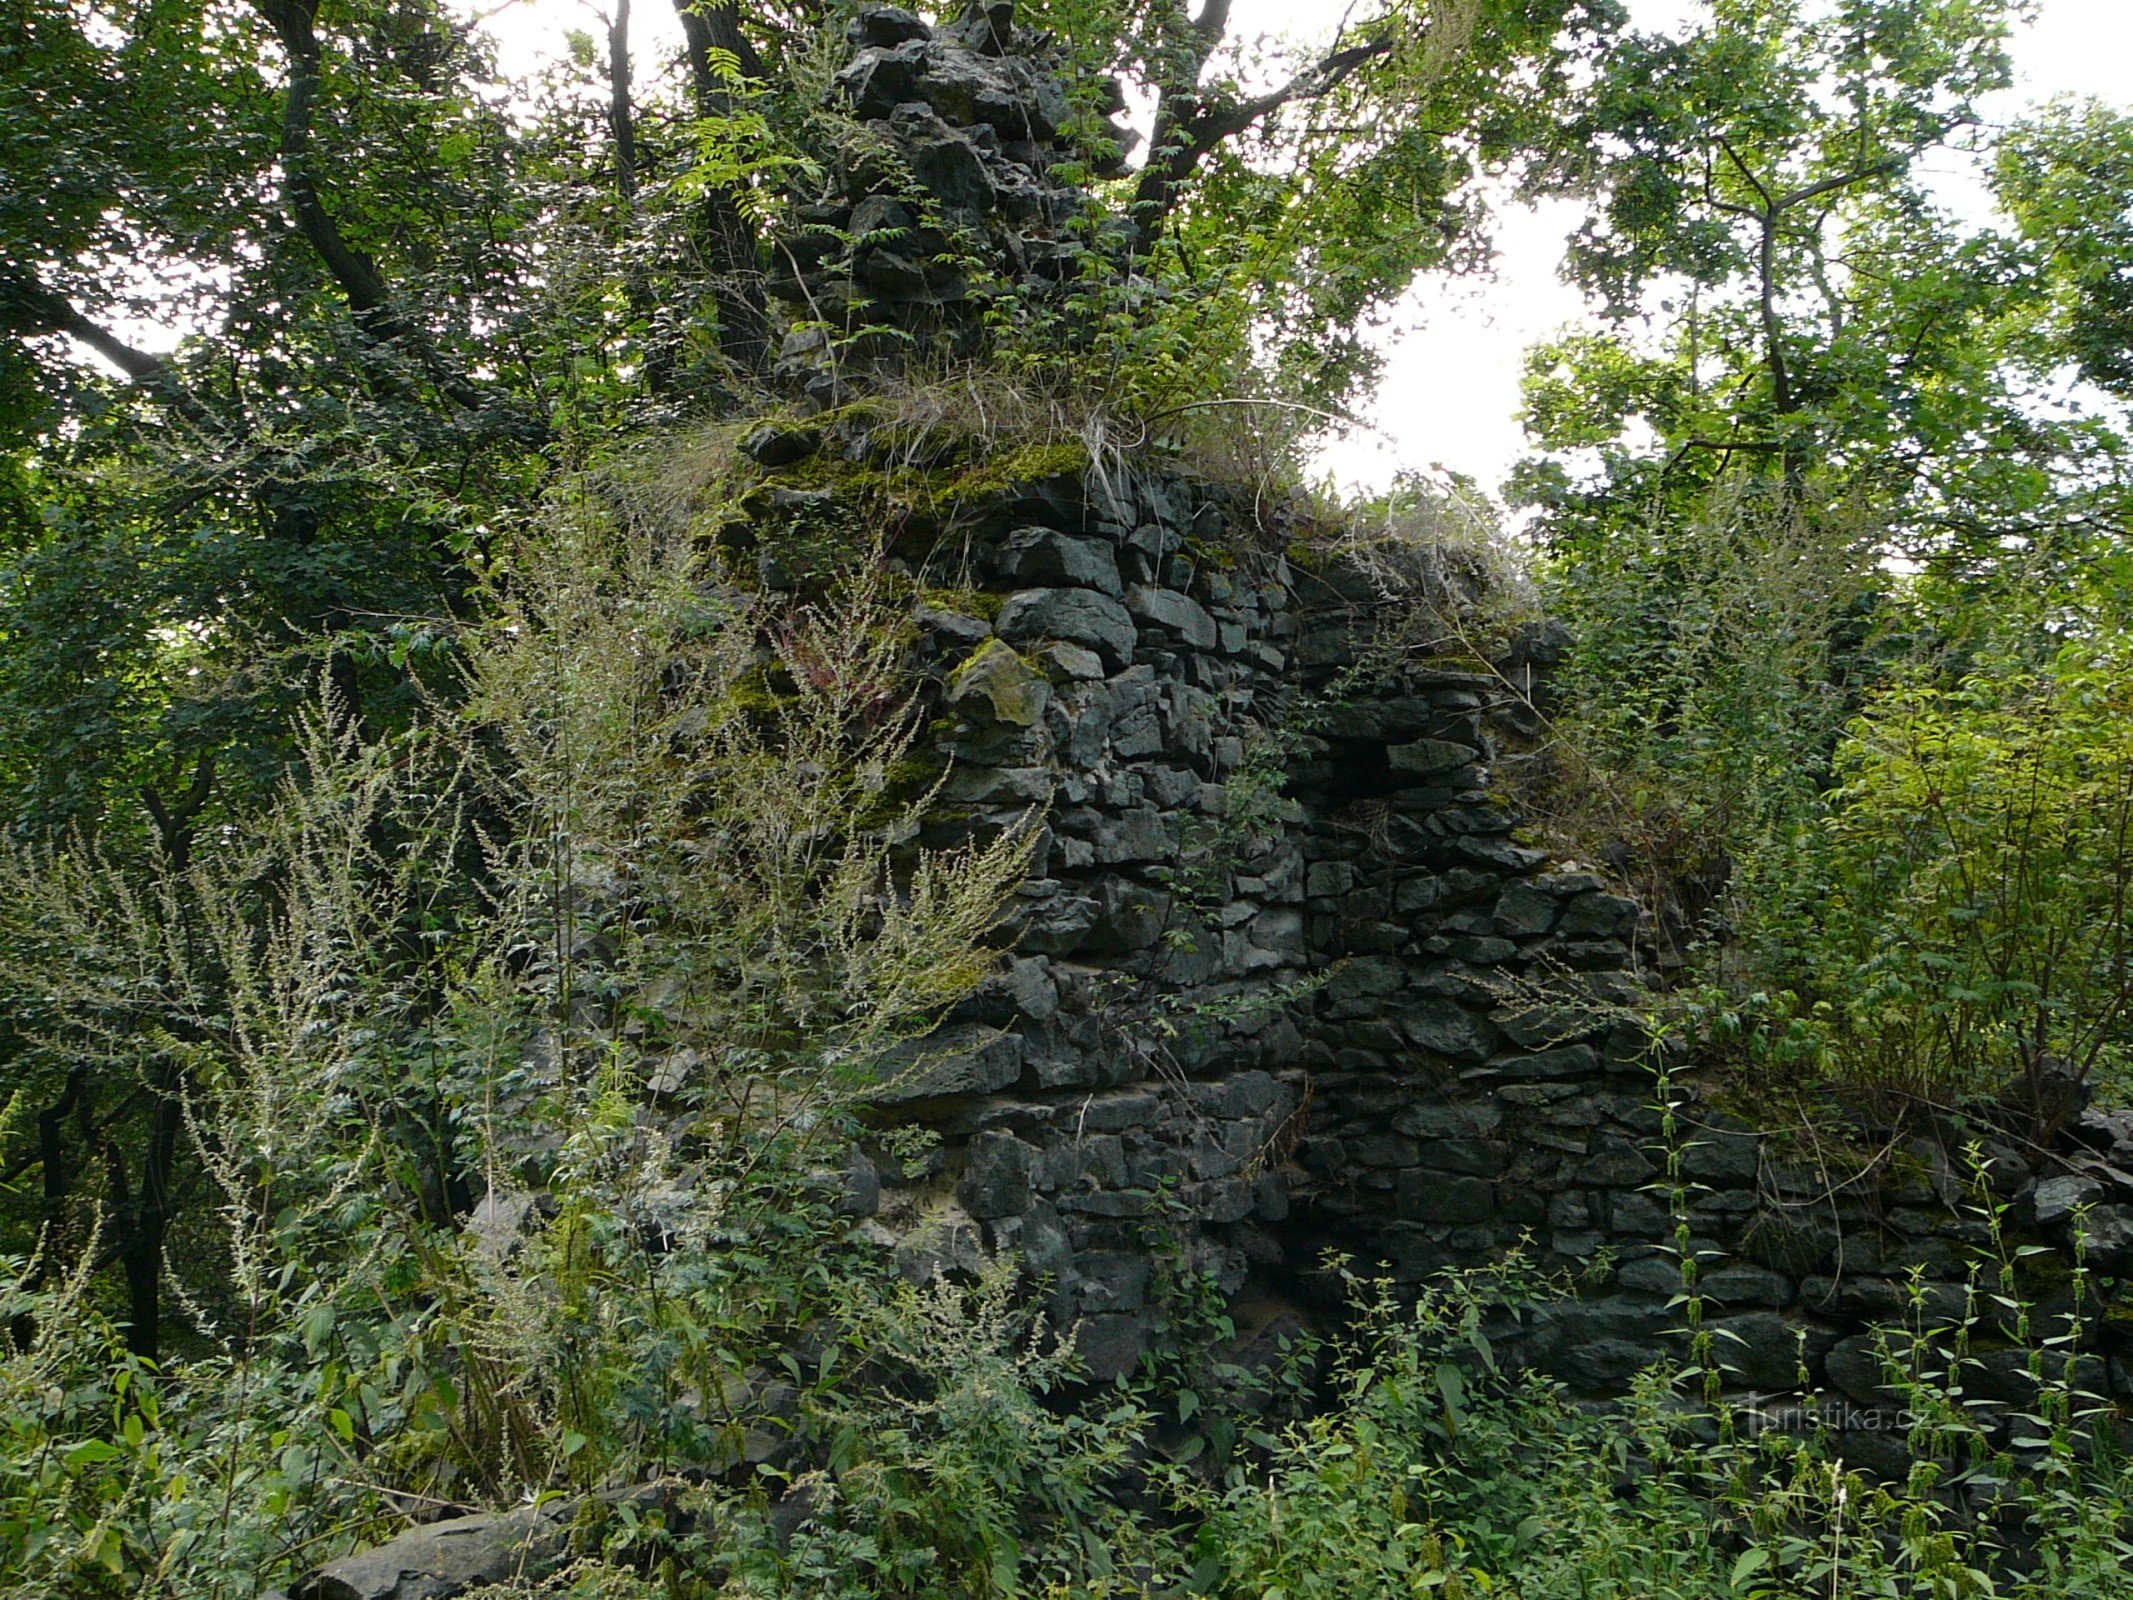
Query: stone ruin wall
point(1381, 1022)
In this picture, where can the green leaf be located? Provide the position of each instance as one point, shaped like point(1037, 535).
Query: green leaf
point(1750, 1563)
point(90, 1451)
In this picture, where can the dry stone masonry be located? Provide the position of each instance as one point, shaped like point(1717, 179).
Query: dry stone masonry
point(1285, 977)
point(1255, 1012)
point(947, 196)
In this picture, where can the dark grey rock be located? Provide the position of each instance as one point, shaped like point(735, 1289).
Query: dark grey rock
point(1429, 757)
point(1172, 614)
point(1128, 917)
point(1280, 932)
point(2109, 1232)
point(880, 79)
point(1788, 1244)
point(1042, 556)
point(1109, 1346)
point(1543, 1025)
point(1077, 616)
point(859, 1191)
point(1855, 1368)
point(1141, 834)
point(1617, 1164)
point(1524, 911)
point(1472, 1157)
point(439, 1560)
point(1568, 885)
point(986, 26)
point(1070, 662)
point(1747, 1286)
point(773, 446)
point(1606, 1366)
point(1365, 977)
point(971, 1059)
point(1436, 1197)
point(1760, 1350)
point(1113, 1280)
point(1040, 1240)
point(953, 625)
point(1566, 1061)
point(943, 160)
point(1057, 924)
point(974, 90)
point(997, 1172)
point(1653, 1275)
point(2057, 1199)
point(1724, 1158)
point(1448, 1029)
point(885, 26)
point(1020, 988)
point(1603, 916)
point(881, 214)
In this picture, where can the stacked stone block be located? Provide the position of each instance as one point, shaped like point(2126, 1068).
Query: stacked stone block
point(1371, 1017)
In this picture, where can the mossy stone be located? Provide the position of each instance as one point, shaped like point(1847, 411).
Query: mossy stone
point(999, 685)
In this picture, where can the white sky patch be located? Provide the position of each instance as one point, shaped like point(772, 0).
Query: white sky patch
point(1450, 390)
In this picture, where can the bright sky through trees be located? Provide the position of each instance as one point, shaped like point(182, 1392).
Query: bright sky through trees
point(1450, 393)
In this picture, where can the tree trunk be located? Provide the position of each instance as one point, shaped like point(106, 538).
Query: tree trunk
point(729, 245)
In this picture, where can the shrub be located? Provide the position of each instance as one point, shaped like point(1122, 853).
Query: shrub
point(1961, 920)
point(400, 1035)
point(1701, 701)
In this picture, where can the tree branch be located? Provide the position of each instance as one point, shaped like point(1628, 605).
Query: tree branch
point(1315, 84)
point(1844, 180)
point(1212, 22)
point(1186, 133)
point(27, 307)
point(355, 272)
point(361, 284)
point(175, 820)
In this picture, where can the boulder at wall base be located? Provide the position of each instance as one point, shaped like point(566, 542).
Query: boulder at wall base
point(441, 1559)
